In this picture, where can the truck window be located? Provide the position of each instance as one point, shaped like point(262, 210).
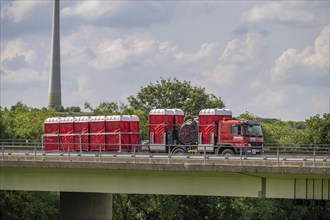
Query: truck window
point(253, 130)
point(236, 129)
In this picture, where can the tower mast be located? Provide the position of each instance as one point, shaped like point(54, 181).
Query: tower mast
point(54, 94)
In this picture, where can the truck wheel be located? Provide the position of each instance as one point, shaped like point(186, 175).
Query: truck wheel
point(178, 151)
point(227, 152)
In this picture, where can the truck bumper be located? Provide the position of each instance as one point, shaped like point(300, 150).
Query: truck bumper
point(253, 151)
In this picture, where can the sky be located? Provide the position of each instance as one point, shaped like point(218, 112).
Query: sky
point(270, 58)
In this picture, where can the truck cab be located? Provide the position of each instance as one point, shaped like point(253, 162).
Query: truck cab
point(237, 134)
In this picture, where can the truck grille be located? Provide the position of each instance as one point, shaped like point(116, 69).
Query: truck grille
point(256, 144)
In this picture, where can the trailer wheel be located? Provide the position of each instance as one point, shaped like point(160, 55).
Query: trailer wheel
point(227, 152)
point(178, 151)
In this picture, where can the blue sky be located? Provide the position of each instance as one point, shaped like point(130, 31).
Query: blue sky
point(270, 58)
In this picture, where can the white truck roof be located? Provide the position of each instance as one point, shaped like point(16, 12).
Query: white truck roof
point(53, 120)
point(166, 111)
point(215, 111)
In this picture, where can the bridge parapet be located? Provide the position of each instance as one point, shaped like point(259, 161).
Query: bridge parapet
point(314, 158)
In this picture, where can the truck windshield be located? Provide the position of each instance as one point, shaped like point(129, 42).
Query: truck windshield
point(253, 130)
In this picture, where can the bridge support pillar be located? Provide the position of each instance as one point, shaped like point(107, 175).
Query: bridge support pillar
point(79, 205)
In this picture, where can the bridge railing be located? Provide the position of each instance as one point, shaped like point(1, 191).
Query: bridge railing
point(279, 155)
point(19, 142)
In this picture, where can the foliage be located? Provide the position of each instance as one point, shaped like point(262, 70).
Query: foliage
point(45, 205)
point(29, 205)
point(108, 108)
point(315, 130)
point(248, 116)
point(280, 132)
point(60, 108)
point(4, 133)
point(174, 94)
point(22, 122)
point(210, 207)
point(72, 109)
point(318, 129)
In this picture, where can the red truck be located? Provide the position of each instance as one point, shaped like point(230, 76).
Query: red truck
point(213, 131)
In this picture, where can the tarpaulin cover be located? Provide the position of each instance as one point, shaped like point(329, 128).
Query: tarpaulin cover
point(66, 133)
point(117, 132)
point(178, 117)
point(208, 123)
point(81, 130)
point(51, 129)
point(97, 129)
point(134, 128)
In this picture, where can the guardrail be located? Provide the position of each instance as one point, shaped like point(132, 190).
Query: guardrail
point(19, 142)
point(275, 155)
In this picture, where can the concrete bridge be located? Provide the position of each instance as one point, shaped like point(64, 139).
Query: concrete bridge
point(87, 181)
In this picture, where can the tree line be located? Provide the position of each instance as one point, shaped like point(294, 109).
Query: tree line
point(23, 122)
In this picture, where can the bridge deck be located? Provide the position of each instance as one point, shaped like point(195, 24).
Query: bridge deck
point(157, 174)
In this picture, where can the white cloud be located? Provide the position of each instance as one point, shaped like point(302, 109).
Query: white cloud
point(17, 11)
point(22, 67)
point(298, 83)
point(19, 64)
point(83, 90)
point(91, 10)
point(120, 13)
point(107, 52)
point(290, 102)
point(239, 61)
point(239, 52)
point(320, 57)
point(17, 48)
point(283, 12)
point(204, 53)
point(309, 66)
point(21, 76)
point(118, 66)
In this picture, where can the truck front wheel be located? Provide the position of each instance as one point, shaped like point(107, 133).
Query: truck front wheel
point(227, 152)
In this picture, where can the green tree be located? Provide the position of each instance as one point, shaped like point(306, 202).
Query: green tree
point(248, 116)
point(23, 122)
point(280, 132)
point(4, 133)
point(29, 205)
point(72, 109)
point(171, 94)
point(211, 207)
point(109, 108)
point(318, 129)
point(173, 207)
point(59, 108)
point(174, 94)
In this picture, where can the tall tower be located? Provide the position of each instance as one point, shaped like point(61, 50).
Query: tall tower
point(54, 94)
